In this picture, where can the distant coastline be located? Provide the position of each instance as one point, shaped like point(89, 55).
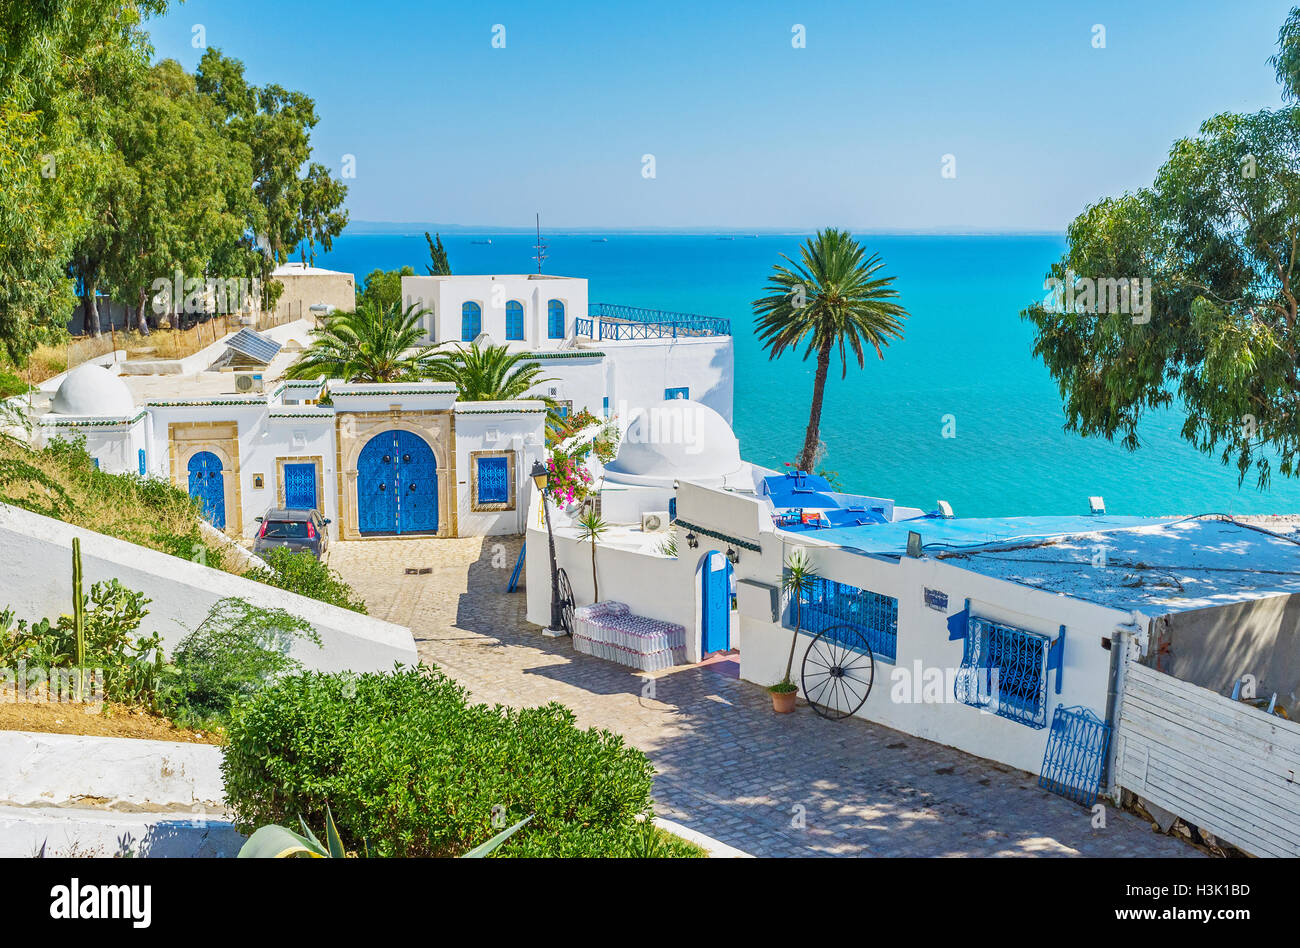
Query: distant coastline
point(417, 229)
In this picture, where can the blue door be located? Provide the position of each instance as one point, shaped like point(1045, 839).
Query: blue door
point(715, 607)
point(209, 486)
point(300, 486)
point(397, 485)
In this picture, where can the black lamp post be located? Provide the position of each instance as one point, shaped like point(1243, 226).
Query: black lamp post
point(539, 476)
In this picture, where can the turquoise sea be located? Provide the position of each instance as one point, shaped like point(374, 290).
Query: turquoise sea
point(966, 354)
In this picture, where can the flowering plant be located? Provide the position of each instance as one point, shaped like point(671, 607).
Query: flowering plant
point(566, 479)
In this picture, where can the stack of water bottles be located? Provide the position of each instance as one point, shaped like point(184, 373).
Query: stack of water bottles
point(609, 630)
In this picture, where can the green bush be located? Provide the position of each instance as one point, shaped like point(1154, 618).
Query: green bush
point(411, 768)
point(236, 650)
point(299, 572)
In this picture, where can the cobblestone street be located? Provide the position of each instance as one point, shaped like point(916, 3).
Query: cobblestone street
point(727, 766)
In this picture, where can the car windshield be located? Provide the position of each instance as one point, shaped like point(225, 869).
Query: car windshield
point(285, 530)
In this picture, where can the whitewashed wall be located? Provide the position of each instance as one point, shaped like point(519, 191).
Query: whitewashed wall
point(445, 296)
point(639, 372)
point(516, 427)
point(36, 581)
point(579, 380)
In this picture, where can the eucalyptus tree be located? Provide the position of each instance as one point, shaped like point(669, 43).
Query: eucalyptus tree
point(834, 298)
point(1217, 337)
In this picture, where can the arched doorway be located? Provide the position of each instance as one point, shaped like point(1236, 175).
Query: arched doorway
point(208, 485)
point(397, 485)
point(715, 604)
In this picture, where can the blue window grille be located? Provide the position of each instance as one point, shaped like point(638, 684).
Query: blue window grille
point(493, 480)
point(671, 393)
point(826, 604)
point(555, 319)
point(604, 406)
point(514, 320)
point(1004, 671)
point(1075, 759)
point(139, 455)
point(471, 321)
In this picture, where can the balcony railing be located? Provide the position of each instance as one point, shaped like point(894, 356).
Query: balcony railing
point(614, 321)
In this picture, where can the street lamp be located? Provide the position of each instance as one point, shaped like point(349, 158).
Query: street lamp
point(539, 476)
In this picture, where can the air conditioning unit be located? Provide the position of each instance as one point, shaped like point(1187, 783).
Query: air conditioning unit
point(249, 383)
point(654, 522)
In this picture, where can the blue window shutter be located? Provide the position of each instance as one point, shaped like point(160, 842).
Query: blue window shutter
point(143, 467)
point(514, 320)
point(555, 319)
point(493, 480)
point(471, 321)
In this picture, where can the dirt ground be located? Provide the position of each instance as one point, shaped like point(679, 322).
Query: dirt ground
point(108, 720)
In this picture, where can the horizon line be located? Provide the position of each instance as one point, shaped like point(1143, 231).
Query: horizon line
point(416, 228)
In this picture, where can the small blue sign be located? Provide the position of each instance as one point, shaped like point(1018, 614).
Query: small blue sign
point(936, 600)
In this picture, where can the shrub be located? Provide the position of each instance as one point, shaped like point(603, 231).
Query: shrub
point(410, 768)
point(300, 572)
point(237, 649)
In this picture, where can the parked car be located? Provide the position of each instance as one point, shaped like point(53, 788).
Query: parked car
point(295, 529)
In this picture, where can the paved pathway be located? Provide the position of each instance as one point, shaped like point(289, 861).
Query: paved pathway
point(772, 785)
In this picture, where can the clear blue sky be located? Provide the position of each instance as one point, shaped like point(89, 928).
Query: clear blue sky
point(747, 132)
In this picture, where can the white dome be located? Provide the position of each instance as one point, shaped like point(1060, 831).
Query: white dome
point(92, 390)
point(676, 439)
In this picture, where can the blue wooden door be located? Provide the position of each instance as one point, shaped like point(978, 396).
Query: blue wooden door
point(417, 476)
point(300, 486)
point(209, 485)
point(715, 608)
point(397, 485)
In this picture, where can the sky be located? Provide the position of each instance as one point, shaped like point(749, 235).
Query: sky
point(747, 130)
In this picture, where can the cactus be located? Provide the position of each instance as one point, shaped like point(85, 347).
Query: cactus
point(78, 612)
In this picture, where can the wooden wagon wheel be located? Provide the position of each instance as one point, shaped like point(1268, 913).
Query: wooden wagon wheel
point(566, 601)
point(838, 671)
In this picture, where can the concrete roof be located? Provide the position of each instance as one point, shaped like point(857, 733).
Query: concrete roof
point(1156, 569)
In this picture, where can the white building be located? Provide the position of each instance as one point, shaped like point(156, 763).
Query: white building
point(600, 357)
point(978, 629)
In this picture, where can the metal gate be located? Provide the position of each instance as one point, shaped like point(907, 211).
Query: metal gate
point(397, 485)
point(300, 486)
point(209, 486)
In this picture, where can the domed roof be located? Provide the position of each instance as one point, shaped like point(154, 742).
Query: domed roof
point(676, 439)
point(90, 389)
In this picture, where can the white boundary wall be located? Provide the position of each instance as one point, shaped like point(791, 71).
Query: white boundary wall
point(36, 582)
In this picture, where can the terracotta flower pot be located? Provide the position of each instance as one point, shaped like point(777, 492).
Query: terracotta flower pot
point(783, 701)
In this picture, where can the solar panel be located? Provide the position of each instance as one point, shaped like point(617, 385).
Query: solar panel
point(254, 346)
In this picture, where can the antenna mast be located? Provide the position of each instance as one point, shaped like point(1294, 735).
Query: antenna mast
point(539, 246)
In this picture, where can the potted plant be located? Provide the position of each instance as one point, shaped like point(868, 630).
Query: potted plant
point(797, 579)
point(783, 693)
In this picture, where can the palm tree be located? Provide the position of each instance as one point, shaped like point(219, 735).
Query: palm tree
point(831, 297)
point(798, 578)
point(371, 344)
point(592, 527)
point(493, 373)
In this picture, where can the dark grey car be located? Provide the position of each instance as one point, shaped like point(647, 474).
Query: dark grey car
point(296, 529)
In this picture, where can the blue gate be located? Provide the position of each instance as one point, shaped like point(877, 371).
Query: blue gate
point(300, 486)
point(209, 486)
point(397, 485)
point(715, 606)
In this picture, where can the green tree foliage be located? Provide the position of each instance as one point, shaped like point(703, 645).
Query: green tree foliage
point(383, 288)
point(833, 297)
point(488, 373)
point(438, 265)
point(1216, 236)
point(300, 572)
point(368, 345)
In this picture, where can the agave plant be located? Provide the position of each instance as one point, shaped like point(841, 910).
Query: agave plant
point(370, 344)
point(280, 842)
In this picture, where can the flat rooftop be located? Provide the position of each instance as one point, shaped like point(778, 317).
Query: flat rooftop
point(1155, 566)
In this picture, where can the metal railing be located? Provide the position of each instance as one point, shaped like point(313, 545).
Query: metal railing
point(615, 321)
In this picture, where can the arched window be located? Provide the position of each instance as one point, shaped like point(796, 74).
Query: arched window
point(514, 320)
point(555, 319)
point(471, 321)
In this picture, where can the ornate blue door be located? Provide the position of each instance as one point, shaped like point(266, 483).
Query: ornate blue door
point(300, 486)
point(209, 486)
point(397, 485)
point(715, 606)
